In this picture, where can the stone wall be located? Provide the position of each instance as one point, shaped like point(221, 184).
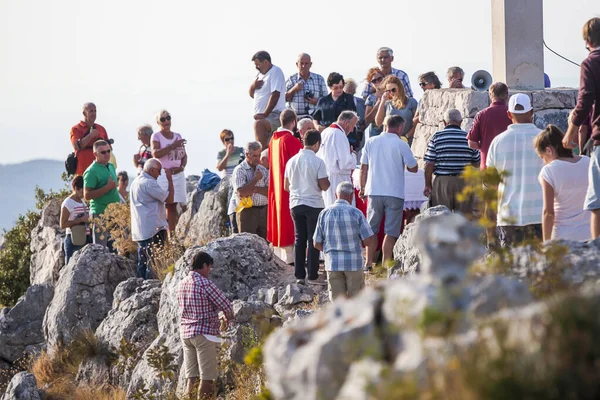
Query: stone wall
point(552, 106)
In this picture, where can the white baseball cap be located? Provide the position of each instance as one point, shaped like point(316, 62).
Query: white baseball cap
point(522, 100)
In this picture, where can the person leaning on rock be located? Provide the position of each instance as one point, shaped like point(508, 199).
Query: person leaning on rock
point(100, 188)
point(200, 302)
point(341, 232)
point(148, 215)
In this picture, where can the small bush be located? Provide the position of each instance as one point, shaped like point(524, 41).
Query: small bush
point(116, 220)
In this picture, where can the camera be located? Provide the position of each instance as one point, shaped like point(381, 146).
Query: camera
point(309, 95)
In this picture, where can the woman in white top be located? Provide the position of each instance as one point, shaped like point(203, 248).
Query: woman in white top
point(73, 212)
point(564, 180)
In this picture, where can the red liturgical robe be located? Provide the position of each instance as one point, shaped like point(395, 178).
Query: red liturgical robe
point(280, 226)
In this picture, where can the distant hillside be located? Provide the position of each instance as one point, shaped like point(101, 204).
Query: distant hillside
point(17, 184)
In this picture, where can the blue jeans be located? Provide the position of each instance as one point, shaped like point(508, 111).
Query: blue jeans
point(70, 248)
point(145, 248)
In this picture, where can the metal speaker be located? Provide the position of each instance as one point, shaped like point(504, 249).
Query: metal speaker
point(481, 80)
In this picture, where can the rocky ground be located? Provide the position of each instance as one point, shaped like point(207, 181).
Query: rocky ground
point(446, 304)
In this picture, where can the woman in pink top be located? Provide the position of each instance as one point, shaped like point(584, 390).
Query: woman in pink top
point(169, 148)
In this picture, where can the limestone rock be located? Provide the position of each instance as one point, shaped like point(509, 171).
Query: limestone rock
point(493, 293)
point(304, 360)
point(272, 296)
point(47, 239)
point(558, 117)
point(406, 255)
point(210, 221)
point(83, 295)
point(242, 264)
point(361, 374)
point(23, 386)
point(553, 98)
point(295, 294)
point(21, 326)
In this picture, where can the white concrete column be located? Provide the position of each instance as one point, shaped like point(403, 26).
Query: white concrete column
point(517, 43)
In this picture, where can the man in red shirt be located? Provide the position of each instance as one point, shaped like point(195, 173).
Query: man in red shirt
point(83, 137)
point(199, 302)
point(490, 122)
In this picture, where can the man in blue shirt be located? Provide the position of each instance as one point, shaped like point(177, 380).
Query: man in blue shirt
point(341, 232)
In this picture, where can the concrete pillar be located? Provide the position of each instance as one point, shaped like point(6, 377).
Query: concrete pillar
point(517, 43)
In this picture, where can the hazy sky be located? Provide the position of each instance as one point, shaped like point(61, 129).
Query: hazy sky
point(134, 57)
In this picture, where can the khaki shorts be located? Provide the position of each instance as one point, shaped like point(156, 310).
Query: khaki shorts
point(344, 283)
point(200, 358)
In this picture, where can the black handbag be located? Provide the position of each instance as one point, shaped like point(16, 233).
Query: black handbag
point(71, 161)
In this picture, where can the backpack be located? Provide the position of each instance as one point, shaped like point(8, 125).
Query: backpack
point(71, 164)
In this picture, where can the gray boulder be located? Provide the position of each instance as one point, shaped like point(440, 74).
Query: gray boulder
point(406, 255)
point(22, 386)
point(47, 255)
point(200, 224)
point(243, 263)
point(84, 294)
point(21, 326)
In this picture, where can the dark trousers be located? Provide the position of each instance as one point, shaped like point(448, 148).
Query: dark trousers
point(233, 223)
point(444, 191)
point(305, 223)
point(70, 248)
point(145, 249)
point(253, 220)
point(511, 235)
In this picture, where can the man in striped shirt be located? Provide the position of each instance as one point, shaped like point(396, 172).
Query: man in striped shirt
point(385, 57)
point(448, 153)
point(200, 302)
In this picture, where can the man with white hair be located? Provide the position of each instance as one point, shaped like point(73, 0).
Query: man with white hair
point(335, 151)
point(251, 179)
point(455, 76)
point(385, 57)
point(304, 88)
point(304, 125)
point(148, 215)
point(447, 155)
point(342, 231)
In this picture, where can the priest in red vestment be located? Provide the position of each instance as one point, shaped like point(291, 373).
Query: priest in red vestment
point(280, 226)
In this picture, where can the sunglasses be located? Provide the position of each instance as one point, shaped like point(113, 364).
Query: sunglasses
point(377, 80)
point(228, 139)
point(167, 118)
point(105, 152)
point(423, 84)
point(393, 90)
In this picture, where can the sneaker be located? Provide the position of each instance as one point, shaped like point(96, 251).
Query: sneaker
point(317, 282)
point(300, 282)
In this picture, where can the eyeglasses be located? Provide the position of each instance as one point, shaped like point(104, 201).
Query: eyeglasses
point(228, 139)
point(105, 152)
point(423, 84)
point(167, 118)
point(377, 80)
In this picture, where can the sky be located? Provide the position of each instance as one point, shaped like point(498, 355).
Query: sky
point(135, 57)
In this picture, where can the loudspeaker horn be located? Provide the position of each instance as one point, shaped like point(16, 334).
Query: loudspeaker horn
point(481, 80)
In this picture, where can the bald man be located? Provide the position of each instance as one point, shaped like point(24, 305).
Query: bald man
point(304, 88)
point(280, 226)
point(83, 137)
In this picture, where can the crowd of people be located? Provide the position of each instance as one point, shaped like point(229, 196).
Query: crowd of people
point(294, 187)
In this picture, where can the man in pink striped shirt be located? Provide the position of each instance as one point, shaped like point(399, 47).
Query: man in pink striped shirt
point(199, 302)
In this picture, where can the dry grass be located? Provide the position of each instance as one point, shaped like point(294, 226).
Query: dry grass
point(164, 257)
point(108, 393)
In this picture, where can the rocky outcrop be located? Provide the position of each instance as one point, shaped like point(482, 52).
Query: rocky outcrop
point(407, 257)
point(47, 238)
point(312, 359)
point(84, 294)
point(242, 264)
point(206, 217)
point(23, 386)
point(21, 325)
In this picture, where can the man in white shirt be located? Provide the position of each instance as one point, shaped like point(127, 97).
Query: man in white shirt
point(305, 178)
point(148, 216)
point(335, 151)
point(268, 92)
point(383, 161)
point(520, 200)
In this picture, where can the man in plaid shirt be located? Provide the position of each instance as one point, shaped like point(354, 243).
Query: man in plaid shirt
point(341, 232)
point(199, 302)
point(385, 56)
point(304, 88)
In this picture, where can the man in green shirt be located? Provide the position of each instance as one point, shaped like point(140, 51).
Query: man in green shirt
point(100, 186)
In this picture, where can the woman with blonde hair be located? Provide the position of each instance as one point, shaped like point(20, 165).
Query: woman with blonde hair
point(394, 101)
point(564, 180)
point(169, 148)
point(374, 78)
